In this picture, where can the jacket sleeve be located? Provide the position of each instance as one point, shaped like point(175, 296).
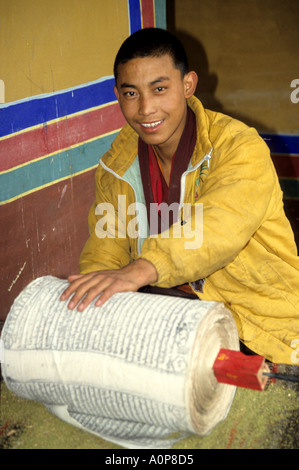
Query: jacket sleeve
point(237, 196)
point(107, 247)
point(102, 253)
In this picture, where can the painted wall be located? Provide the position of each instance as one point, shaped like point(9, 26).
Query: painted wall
point(47, 46)
point(246, 56)
point(60, 115)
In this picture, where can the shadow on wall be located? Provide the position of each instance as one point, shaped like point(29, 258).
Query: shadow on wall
point(208, 81)
point(206, 93)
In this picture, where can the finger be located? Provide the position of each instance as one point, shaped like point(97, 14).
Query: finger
point(93, 292)
point(117, 285)
point(75, 281)
point(87, 291)
point(73, 277)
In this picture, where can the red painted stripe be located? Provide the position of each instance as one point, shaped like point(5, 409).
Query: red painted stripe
point(287, 166)
point(25, 147)
point(148, 16)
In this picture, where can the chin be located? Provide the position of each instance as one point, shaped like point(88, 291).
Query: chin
point(152, 139)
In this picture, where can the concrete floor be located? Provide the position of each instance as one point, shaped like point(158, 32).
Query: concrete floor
point(257, 420)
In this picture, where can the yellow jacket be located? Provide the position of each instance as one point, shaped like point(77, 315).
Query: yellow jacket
point(247, 254)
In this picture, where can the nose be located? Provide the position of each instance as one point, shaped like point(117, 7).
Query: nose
point(147, 105)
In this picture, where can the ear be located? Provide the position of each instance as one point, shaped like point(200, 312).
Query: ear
point(190, 83)
point(116, 92)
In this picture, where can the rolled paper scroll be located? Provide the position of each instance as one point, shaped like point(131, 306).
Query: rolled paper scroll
point(137, 371)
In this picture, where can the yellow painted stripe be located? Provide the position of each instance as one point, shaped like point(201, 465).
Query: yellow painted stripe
point(141, 13)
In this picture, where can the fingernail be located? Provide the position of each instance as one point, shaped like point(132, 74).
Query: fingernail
point(71, 305)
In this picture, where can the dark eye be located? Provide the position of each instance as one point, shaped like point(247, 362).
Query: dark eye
point(130, 93)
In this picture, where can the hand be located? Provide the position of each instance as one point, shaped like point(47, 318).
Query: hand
point(84, 288)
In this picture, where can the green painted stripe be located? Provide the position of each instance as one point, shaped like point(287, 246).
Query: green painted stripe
point(49, 170)
point(160, 14)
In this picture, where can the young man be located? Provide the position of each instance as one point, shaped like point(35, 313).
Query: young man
point(173, 151)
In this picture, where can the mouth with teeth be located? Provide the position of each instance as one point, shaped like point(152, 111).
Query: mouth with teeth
point(151, 125)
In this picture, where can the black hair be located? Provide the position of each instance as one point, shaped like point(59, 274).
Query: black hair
point(152, 42)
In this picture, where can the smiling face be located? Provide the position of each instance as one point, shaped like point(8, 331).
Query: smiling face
point(152, 95)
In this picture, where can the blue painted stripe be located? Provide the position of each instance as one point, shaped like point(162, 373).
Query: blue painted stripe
point(49, 170)
point(134, 11)
point(282, 143)
point(32, 111)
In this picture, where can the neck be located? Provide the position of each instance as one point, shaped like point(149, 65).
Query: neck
point(165, 163)
point(165, 156)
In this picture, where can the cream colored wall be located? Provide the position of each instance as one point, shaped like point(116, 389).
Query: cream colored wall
point(246, 54)
point(50, 45)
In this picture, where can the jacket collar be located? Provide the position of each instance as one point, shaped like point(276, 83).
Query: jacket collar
point(203, 144)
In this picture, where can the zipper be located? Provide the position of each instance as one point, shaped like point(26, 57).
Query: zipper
point(135, 195)
point(196, 286)
point(207, 158)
